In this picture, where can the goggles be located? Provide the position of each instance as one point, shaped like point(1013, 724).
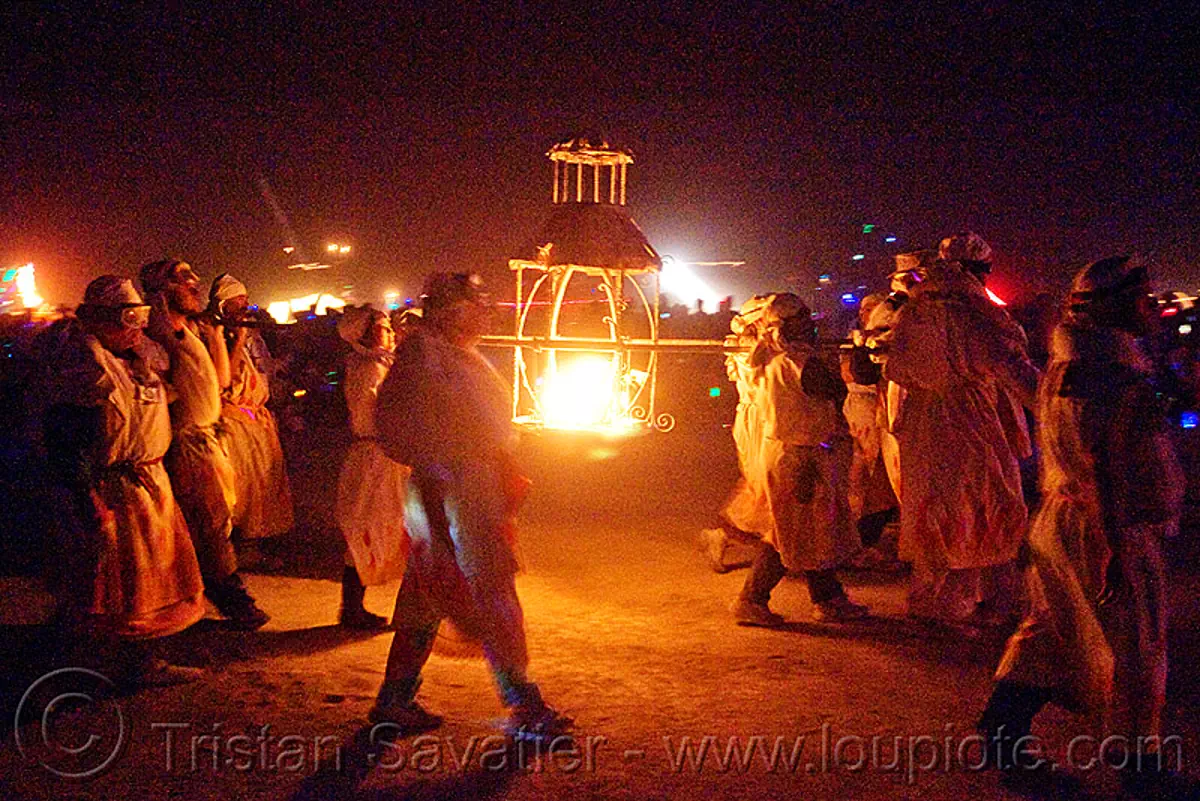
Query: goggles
point(184, 274)
point(133, 316)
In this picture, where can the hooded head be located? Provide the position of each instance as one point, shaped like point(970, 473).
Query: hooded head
point(113, 310)
point(366, 327)
point(228, 296)
point(969, 250)
point(455, 304)
point(1113, 293)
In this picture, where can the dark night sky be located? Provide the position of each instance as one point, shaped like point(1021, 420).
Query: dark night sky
point(762, 133)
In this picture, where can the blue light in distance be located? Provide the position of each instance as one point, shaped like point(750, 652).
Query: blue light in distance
point(1189, 419)
point(889, 239)
point(857, 257)
point(849, 299)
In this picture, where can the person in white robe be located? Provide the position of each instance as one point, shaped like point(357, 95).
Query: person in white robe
point(371, 487)
point(743, 519)
point(197, 462)
point(805, 454)
point(958, 357)
point(247, 428)
point(128, 572)
point(1095, 640)
point(445, 411)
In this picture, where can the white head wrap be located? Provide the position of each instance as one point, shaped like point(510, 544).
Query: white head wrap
point(225, 287)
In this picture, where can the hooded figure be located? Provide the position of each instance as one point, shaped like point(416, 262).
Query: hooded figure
point(957, 356)
point(248, 428)
point(128, 567)
point(1095, 640)
point(744, 516)
point(371, 487)
point(804, 458)
point(445, 411)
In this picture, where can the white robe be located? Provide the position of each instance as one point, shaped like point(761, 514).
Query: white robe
point(371, 487)
point(138, 573)
point(962, 516)
point(1106, 465)
point(250, 435)
point(805, 459)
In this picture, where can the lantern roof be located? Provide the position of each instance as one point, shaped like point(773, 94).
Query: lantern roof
point(592, 235)
point(580, 150)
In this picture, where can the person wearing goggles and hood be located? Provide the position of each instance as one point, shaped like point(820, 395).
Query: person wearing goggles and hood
point(128, 573)
point(1095, 640)
point(248, 429)
point(805, 455)
point(371, 487)
point(955, 358)
point(200, 469)
point(445, 411)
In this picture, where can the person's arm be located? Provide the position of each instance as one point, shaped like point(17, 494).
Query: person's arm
point(237, 354)
point(818, 381)
point(213, 337)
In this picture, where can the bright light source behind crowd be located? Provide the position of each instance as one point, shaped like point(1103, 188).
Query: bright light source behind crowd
point(681, 282)
point(27, 287)
point(994, 297)
point(280, 311)
point(579, 394)
point(332, 248)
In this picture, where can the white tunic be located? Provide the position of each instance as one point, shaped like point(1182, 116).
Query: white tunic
point(140, 573)
point(371, 487)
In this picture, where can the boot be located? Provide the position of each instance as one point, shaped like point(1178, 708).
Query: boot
point(1009, 717)
point(354, 615)
point(234, 601)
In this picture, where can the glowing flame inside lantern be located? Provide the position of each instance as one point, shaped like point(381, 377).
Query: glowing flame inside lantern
point(27, 287)
point(581, 393)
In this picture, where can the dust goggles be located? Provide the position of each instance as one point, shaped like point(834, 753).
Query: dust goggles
point(132, 316)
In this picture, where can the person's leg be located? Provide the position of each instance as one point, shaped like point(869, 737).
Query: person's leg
point(354, 614)
point(765, 574)
point(823, 586)
point(751, 608)
point(1007, 719)
point(416, 630)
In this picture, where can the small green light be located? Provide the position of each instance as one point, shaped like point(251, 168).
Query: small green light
point(868, 229)
point(714, 392)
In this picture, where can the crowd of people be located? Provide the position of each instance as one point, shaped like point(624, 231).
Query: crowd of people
point(939, 397)
point(167, 462)
point(166, 459)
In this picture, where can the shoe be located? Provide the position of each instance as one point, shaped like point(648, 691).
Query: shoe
point(160, 673)
point(749, 613)
point(353, 614)
point(233, 600)
point(839, 610)
point(538, 721)
point(410, 718)
point(362, 620)
point(713, 542)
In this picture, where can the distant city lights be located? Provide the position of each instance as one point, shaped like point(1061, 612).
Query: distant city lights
point(858, 257)
point(889, 239)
